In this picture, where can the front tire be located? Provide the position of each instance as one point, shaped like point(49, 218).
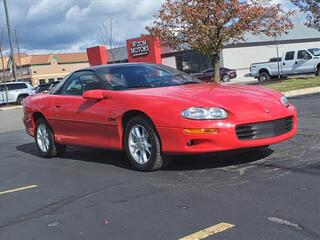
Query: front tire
point(44, 138)
point(143, 146)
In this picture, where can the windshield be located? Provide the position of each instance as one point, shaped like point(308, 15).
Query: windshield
point(314, 51)
point(143, 76)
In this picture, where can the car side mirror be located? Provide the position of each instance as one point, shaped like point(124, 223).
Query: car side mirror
point(94, 94)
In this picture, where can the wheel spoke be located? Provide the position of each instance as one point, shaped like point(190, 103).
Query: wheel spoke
point(138, 134)
point(144, 156)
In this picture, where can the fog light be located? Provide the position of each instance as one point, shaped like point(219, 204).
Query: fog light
point(200, 130)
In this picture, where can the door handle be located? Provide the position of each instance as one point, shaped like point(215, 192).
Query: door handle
point(296, 62)
point(58, 106)
point(283, 64)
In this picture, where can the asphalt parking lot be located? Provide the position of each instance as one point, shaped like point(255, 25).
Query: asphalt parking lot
point(93, 194)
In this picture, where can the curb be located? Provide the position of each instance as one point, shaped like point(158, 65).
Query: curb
point(10, 108)
point(300, 92)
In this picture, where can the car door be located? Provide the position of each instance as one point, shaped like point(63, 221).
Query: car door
point(288, 63)
point(303, 64)
point(207, 74)
point(12, 92)
point(2, 95)
point(79, 121)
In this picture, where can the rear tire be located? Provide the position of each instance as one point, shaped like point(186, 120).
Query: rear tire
point(318, 71)
point(264, 76)
point(44, 138)
point(143, 146)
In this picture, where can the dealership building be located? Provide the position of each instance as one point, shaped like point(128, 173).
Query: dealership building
point(237, 56)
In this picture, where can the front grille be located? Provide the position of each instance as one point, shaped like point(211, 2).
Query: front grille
point(264, 129)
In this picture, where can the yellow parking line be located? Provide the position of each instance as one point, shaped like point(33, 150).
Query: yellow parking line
point(208, 231)
point(18, 189)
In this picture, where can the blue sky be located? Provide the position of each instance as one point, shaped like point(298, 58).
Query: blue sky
point(73, 25)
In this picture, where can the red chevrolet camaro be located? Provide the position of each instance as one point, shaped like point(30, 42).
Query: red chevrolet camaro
point(153, 111)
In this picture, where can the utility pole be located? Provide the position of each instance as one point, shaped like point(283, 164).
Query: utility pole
point(4, 73)
point(10, 39)
point(277, 49)
point(17, 43)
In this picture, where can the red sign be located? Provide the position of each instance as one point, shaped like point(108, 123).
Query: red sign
point(144, 49)
point(97, 55)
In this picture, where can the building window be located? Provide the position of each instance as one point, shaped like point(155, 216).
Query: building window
point(192, 62)
point(42, 81)
point(51, 80)
point(59, 79)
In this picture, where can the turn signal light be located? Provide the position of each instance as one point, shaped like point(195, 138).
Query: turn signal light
point(200, 130)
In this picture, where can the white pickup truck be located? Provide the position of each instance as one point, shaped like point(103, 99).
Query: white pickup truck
point(304, 61)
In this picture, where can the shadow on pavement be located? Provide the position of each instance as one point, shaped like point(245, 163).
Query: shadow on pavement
point(218, 160)
point(188, 162)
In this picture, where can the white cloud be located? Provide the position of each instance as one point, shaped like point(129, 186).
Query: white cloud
point(145, 8)
point(47, 8)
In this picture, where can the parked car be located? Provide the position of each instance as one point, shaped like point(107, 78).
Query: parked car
point(45, 87)
point(152, 111)
point(17, 92)
point(304, 61)
point(225, 73)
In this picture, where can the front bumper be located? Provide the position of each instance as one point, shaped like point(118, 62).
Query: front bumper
point(175, 141)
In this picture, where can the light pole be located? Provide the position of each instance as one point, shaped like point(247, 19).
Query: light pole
point(10, 39)
point(18, 49)
point(3, 72)
point(277, 49)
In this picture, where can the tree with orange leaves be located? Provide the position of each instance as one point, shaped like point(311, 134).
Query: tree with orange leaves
point(206, 25)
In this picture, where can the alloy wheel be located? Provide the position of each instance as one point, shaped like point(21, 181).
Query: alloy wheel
point(43, 138)
point(139, 144)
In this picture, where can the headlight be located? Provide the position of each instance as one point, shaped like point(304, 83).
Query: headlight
point(284, 101)
point(198, 113)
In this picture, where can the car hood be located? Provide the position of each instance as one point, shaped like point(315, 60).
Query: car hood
point(242, 101)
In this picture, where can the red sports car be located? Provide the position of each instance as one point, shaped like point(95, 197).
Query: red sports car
point(153, 111)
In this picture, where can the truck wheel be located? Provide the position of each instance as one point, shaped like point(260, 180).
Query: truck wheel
point(264, 76)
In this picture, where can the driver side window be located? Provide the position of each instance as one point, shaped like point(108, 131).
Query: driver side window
point(81, 82)
point(73, 86)
point(303, 54)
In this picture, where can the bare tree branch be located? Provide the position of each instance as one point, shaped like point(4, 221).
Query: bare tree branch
point(109, 35)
